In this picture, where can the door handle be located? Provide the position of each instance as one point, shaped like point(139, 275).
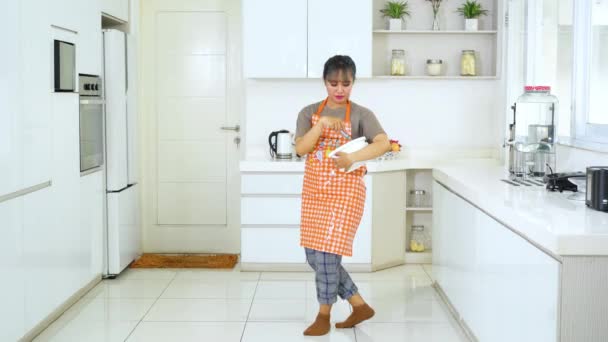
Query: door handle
point(236, 128)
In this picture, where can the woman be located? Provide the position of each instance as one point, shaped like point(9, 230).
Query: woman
point(332, 200)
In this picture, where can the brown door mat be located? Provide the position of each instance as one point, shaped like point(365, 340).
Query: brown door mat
point(185, 261)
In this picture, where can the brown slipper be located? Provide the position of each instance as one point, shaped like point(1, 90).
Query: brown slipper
point(360, 313)
point(319, 327)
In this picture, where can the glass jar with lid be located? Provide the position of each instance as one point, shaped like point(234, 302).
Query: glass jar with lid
point(398, 63)
point(419, 241)
point(418, 198)
point(433, 67)
point(468, 63)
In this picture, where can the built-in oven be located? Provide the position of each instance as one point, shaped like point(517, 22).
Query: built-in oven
point(91, 124)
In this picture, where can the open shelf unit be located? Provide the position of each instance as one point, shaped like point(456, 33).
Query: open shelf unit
point(419, 179)
point(420, 43)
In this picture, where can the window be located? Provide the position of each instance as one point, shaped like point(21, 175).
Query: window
point(564, 44)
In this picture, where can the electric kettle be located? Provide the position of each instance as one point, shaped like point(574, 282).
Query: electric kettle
point(280, 144)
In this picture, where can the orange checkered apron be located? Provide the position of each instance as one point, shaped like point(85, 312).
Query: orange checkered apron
point(332, 200)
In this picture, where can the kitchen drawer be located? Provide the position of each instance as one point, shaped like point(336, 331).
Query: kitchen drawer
point(279, 184)
point(271, 245)
point(270, 210)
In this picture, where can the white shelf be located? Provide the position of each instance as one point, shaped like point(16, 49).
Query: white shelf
point(419, 209)
point(435, 32)
point(419, 257)
point(471, 78)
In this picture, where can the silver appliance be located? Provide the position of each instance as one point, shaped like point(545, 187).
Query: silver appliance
point(91, 123)
point(64, 66)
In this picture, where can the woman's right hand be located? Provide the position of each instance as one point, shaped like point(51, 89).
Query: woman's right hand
point(331, 122)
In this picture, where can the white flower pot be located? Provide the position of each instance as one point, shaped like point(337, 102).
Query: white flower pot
point(394, 24)
point(471, 24)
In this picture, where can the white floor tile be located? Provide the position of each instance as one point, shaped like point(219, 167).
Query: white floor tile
point(394, 289)
point(210, 274)
point(428, 332)
point(306, 276)
point(187, 332)
point(129, 288)
point(401, 311)
point(397, 272)
point(111, 309)
point(292, 332)
point(278, 310)
point(223, 305)
point(147, 273)
point(429, 270)
point(294, 310)
point(281, 289)
point(202, 310)
point(193, 288)
point(89, 331)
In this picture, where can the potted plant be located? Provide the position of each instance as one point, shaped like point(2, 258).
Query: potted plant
point(471, 10)
point(395, 11)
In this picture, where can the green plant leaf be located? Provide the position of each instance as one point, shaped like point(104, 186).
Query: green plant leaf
point(471, 9)
point(395, 10)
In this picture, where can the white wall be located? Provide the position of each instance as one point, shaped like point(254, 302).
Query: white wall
point(576, 159)
point(452, 114)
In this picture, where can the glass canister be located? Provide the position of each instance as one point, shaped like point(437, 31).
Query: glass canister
point(468, 63)
point(418, 198)
point(533, 132)
point(419, 241)
point(433, 67)
point(398, 63)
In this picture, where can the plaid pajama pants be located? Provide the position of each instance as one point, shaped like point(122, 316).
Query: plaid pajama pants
point(331, 278)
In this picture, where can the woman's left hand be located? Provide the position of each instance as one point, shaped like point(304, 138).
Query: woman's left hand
point(343, 160)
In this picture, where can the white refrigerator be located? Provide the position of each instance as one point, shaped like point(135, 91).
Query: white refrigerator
point(123, 233)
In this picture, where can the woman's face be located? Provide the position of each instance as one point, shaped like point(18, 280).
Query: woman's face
point(339, 86)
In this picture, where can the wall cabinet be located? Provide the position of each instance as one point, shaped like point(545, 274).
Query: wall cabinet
point(297, 45)
point(116, 8)
point(339, 27)
point(274, 48)
point(490, 273)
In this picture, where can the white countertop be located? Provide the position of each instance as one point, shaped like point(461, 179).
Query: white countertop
point(418, 159)
point(549, 220)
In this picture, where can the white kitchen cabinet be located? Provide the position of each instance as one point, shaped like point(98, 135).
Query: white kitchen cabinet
point(116, 8)
point(271, 245)
point(11, 266)
point(43, 252)
point(36, 69)
point(89, 48)
point(270, 210)
point(274, 46)
point(11, 150)
point(270, 219)
point(339, 27)
point(64, 13)
point(489, 274)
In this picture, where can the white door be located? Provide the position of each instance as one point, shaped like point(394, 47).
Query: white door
point(191, 89)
